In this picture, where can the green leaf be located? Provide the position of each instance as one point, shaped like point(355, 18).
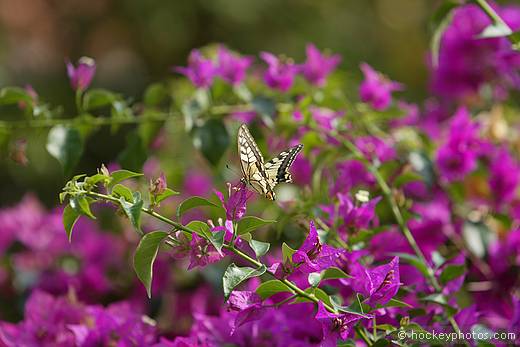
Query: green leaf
point(165, 195)
point(155, 94)
point(314, 279)
point(81, 205)
point(495, 30)
point(269, 288)
point(451, 272)
point(260, 248)
point(217, 240)
point(95, 98)
point(440, 299)
point(415, 262)
point(422, 164)
point(13, 95)
point(477, 237)
point(133, 210)
point(70, 217)
point(287, 252)
point(440, 21)
point(201, 228)
point(121, 175)
point(515, 38)
point(145, 255)
point(93, 180)
point(333, 273)
point(318, 293)
point(192, 202)
point(65, 144)
point(211, 139)
point(397, 303)
point(406, 177)
point(135, 153)
point(251, 223)
point(235, 275)
point(123, 191)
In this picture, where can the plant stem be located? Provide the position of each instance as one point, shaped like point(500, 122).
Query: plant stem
point(491, 13)
point(95, 121)
point(494, 16)
point(387, 192)
point(79, 99)
point(229, 247)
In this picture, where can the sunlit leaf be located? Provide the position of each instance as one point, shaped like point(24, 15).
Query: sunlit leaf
point(193, 202)
point(287, 252)
point(123, 191)
point(133, 210)
point(165, 195)
point(451, 272)
point(145, 255)
point(260, 248)
point(235, 275)
point(13, 95)
point(272, 287)
point(121, 175)
point(70, 217)
point(81, 205)
point(201, 228)
point(95, 98)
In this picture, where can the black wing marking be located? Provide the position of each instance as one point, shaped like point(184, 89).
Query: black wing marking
point(252, 161)
point(277, 169)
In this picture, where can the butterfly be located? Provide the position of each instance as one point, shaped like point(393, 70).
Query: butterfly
point(263, 177)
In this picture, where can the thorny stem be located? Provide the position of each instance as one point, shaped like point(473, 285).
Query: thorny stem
point(229, 247)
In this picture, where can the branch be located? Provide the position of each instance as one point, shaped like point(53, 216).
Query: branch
point(229, 247)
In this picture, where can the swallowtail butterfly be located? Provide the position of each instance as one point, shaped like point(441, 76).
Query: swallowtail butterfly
point(263, 177)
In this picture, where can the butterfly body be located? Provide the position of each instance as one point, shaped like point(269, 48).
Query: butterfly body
point(263, 177)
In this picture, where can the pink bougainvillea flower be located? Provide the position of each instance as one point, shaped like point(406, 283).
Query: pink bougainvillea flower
point(158, 186)
point(493, 61)
point(504, 177)
point(279, 75)
point(458, 155)
point(248, 305)
point(314, 256)
point(336, 326)
point(375, 148)
point(325, 117)
point(202, 252)
point(376, 89)
point(232, 67)
point(81, 76)
point(318, 66)
point(200, 71)
point(377, 285)
point(236, 204)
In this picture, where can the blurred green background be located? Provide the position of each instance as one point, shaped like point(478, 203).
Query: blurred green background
point(136, 42)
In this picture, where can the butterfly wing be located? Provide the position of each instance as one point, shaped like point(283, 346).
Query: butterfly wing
point(252, 162)
point(277, 169)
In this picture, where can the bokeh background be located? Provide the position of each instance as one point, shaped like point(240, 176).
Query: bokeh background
point(137, 42)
